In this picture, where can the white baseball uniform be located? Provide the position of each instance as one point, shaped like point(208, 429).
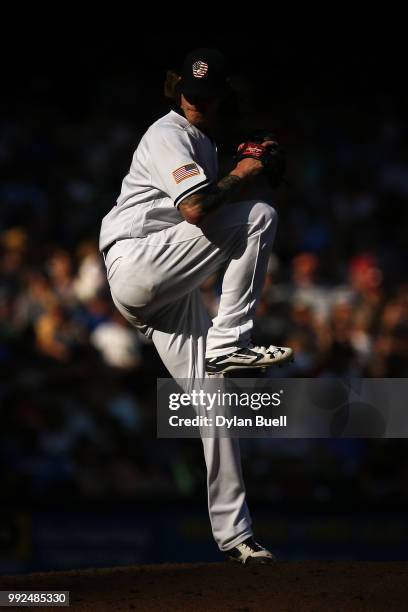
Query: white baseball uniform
point(159, 261)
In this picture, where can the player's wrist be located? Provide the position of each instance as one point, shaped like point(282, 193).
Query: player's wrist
point(238, 173)
point(247, 169)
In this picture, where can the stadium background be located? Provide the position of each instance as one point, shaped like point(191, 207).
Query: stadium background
point(83, 479)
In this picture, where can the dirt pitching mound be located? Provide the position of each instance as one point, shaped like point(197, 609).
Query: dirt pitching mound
point(294, 586)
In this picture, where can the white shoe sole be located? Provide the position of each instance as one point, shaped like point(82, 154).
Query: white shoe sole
point(261, 366)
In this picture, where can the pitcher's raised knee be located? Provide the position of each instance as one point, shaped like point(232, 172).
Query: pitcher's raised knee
point(263, 216)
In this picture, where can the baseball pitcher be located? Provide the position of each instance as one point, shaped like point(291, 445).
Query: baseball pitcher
point(174, 224)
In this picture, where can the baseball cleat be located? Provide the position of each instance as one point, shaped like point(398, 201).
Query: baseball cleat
point(250, 552)
point(249, 357)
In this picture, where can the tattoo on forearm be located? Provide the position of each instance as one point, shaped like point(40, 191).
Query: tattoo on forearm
point(225, 190)
point(196, 207)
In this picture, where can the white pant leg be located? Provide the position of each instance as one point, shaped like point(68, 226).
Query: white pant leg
point(229, 514)
point(242, 284)
point(183, 353)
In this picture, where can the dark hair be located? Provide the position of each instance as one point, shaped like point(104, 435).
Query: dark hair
point(171, 91)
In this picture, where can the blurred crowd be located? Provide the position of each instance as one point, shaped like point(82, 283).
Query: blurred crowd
point(78, 383)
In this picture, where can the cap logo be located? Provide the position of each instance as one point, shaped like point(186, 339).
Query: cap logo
point(200, 69)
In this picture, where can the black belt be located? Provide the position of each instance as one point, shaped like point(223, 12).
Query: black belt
point(105, 251)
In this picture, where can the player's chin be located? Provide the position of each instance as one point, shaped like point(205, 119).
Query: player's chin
point(200, 119)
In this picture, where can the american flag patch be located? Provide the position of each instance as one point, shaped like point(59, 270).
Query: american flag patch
point(200, 69)
point(184, 172)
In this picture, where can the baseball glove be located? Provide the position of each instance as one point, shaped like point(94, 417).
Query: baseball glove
point(272, 156)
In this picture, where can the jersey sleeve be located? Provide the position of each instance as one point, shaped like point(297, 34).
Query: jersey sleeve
point(175, 169)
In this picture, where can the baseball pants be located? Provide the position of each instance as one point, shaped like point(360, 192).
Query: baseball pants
point(155, 281)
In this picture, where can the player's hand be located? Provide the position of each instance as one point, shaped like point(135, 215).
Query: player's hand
point(249, 167)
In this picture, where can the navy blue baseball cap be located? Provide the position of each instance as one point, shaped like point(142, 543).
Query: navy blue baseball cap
point(204, 74)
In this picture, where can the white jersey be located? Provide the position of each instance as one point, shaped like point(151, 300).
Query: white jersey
point(174, 159)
